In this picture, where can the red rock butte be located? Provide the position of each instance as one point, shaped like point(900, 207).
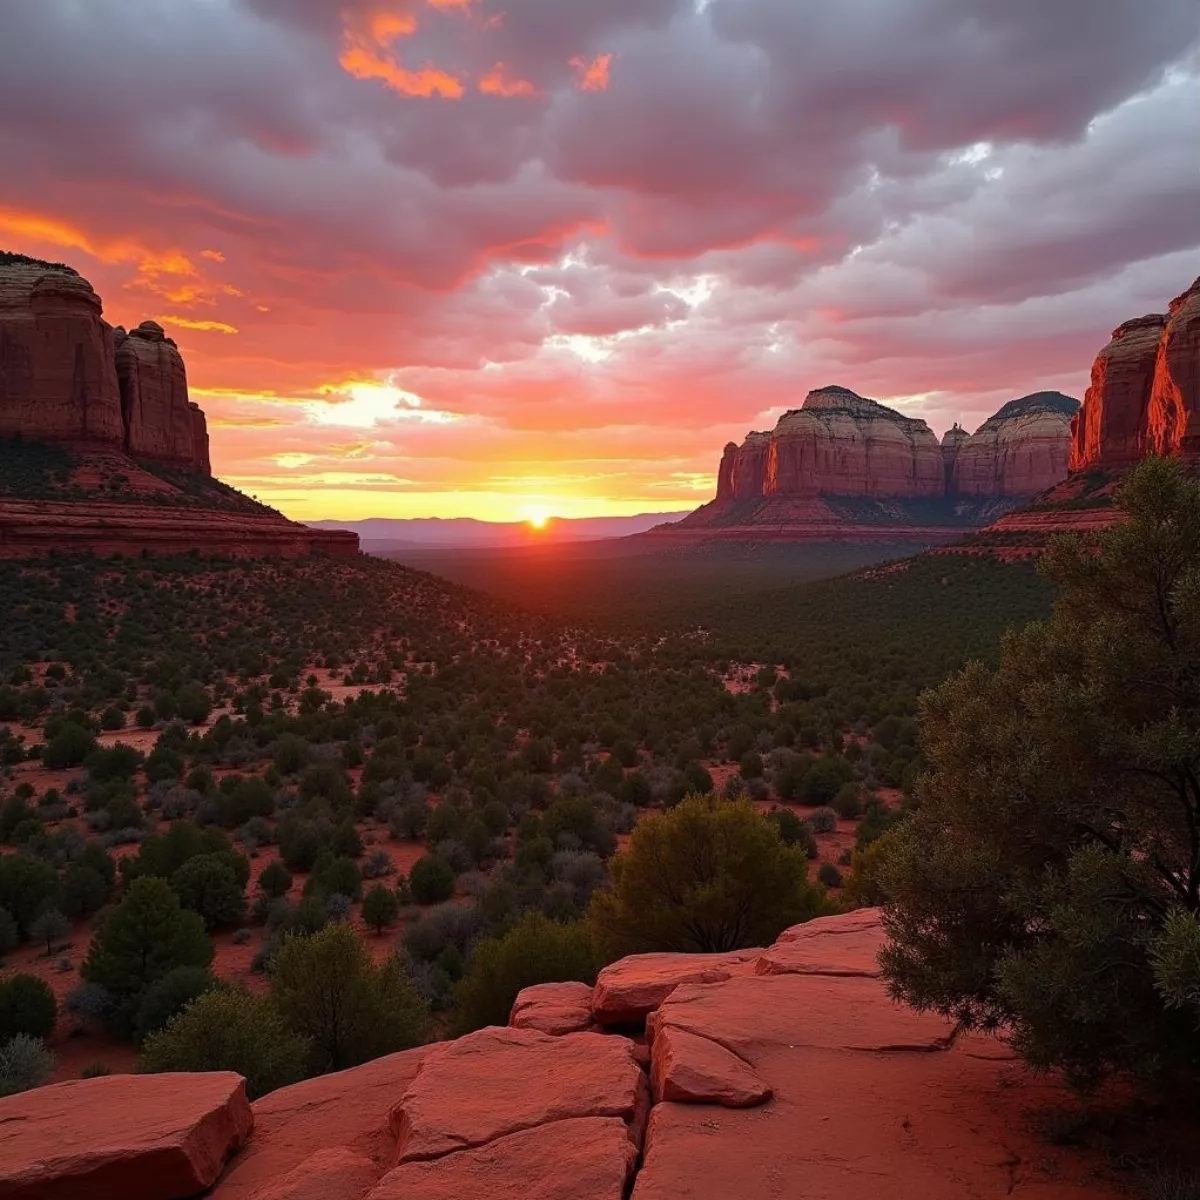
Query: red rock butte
point(845, 467)
point(1144, 399)
point(138, 476)
point(764, 1073)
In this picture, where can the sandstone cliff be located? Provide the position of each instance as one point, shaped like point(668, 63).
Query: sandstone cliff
point(57, 377)
point(1022, 450)
point(101, 450)
point(838, 443)
point(845, 468)
point(751, 1082)
point(1144, 396)
point(68, 378)
point(154, 397)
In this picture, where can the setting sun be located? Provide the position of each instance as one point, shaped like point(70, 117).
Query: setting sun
point(538, 517)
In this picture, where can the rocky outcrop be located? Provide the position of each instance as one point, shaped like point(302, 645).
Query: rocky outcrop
point(1110, 429)
point(140, 1138)
point(57, 377)
point(29, 529)
point(800, 1078)
point(845, 468)
point(154, 397)
point(1144, 396)
point(1021, 451)
point(68, 378)
point(1173, 416)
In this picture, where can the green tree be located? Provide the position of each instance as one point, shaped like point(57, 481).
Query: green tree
point(431, 880)
point(170, 995)
point(380, 907)
point(68, 747)
point(1043, 881)
point(144, 937)
point(49, 928)
point(24, 1063)
point(27, 886)
point(536, 950)
point(229, 1030)
point(351, 1010)
point(208, 885)
point(708, 875)
point(275, 880)
point(27, 1005)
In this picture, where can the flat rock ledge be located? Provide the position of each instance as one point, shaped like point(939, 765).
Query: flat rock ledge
point(762, 1075)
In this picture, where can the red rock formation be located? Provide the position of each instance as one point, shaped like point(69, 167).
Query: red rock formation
point(154, 396)
point(556, 1008)
point(743, 471)
point(29, 528)
point(1173, 415)
point(952, 442)
point(842, 444)
point(67, 377)
point(201, 461)
point(136, 1137)
point(57, 378)
point(1110, 428)
point(761, 1079)
point(1021, 451)
point(628, 990)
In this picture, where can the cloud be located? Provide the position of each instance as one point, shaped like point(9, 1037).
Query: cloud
point(596, 241)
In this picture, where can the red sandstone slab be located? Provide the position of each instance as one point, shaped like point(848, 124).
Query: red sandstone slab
point(497, 1082)
point(554, 1008)
point(627, 991)
point(749, 1013)
point(137, 1137)
point(693, 1070)
point(585, 1158)
point(337, 1173)
point(349, 1109)
point(842, 945)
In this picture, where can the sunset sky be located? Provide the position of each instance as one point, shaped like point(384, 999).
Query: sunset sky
point(496, 257)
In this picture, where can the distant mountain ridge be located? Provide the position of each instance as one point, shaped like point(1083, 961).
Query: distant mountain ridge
point(455, 533)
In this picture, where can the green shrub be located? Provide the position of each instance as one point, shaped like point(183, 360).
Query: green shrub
point(27, 1005)
point(431, 880)
point(537, 950)
point(24, 1063)
point(230, 1030)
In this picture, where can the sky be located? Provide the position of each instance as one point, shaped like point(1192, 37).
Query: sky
point(502, 258)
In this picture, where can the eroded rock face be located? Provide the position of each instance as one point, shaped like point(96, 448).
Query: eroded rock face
point(1173, 416)
point(152, 1137)
point(154, 397)
point(68, 378)
point(58, 380)
point(1022, 450)
point(1145, 392)
point(842, 444)
point(1110, 430)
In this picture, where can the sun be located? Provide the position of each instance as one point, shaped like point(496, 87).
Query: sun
point(538, 517)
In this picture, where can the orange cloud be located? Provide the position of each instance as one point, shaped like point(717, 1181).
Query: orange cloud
point(366, 54)
point(593, 76)
point(213, 255)
point(201, 326)
point(498, 83)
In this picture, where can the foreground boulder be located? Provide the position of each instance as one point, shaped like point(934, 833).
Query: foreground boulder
point(152, 1137)
point(627, 991)
point(556, 1008)
point(497, 1082)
